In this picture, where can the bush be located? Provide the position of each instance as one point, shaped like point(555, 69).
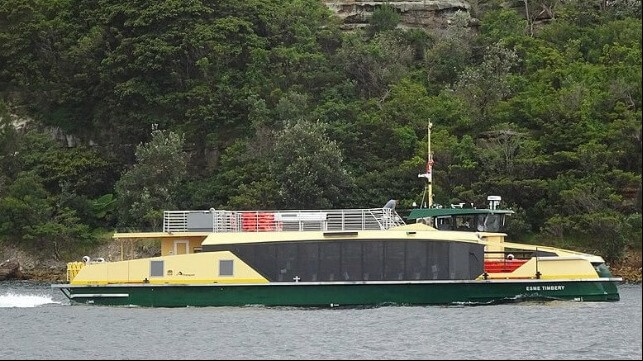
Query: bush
point(384, 18)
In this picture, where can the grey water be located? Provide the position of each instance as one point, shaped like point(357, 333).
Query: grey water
point(37, 322)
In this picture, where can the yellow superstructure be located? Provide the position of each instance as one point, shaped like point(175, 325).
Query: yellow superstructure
point(187, 267)
point(195, 268)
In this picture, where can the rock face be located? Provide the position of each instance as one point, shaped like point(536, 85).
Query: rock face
point(429, 14)
point(10, 269)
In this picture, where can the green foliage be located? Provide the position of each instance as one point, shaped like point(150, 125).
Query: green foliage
point(278, 107)
point(152, 184)
point(32, 218)
point(634, 230)
point(502, 24)
point(450, 54)
point(605, 232)
point(487, 83)
point(307, 168)
point(384, 18)
point(518, 226)
point(60, 235)
point(25, 204)
point(374, 64)
point(103, 206)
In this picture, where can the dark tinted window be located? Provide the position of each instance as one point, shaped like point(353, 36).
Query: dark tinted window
point(351, 261)
point(394, 256)
point(437, 260)
point(329, 262)
point(265, 260)
point(415, 260)
point(286, 258)
point(373, 265)
point(308, 261)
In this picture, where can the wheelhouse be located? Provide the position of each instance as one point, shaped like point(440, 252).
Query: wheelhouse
point(461, 219)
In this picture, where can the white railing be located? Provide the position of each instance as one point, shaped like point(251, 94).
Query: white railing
point(175, 220)
point(289, 220)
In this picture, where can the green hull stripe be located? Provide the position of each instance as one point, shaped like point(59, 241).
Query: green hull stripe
point(357, 294)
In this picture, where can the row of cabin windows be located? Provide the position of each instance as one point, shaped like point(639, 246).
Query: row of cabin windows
point(345, 260)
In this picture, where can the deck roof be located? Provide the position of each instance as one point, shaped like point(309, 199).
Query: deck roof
point(158, 235)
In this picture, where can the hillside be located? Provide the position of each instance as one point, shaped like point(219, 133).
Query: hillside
point(111, 112)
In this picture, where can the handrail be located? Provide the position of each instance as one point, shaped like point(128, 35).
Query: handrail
point(280, 220)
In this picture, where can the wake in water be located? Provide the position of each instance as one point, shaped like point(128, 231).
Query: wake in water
point(20, 300)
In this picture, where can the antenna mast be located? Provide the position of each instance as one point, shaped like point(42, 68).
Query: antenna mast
point(429, 167)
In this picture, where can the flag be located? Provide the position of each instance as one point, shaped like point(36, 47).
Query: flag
point(427, 174)
point(429, 169)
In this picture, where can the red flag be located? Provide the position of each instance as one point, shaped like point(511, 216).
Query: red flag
point(429, 165)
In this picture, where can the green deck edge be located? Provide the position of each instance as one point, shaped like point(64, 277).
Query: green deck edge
point(345, 294)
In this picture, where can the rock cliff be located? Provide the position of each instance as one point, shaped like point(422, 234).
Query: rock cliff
point(429, 14)
point(10, 269)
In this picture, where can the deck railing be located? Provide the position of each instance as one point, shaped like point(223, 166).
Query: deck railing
point(285, 220)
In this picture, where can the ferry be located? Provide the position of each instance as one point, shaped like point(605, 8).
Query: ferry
point(341, 257)
point(330, 258)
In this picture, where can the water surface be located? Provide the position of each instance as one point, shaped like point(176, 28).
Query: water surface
point(39, 323)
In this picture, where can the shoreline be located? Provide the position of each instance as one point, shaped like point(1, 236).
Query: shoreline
point(48, 270)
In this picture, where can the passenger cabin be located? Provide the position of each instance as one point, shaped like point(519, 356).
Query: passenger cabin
point(334, 245)
point(320, 245)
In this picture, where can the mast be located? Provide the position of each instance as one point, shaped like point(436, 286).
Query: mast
point(429, 166)
point(428, 190)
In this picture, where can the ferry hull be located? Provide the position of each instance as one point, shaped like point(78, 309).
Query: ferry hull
point(343, 294)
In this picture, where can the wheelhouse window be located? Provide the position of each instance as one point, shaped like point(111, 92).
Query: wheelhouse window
point(444, 223)
point(492, 223)
point(465, 223)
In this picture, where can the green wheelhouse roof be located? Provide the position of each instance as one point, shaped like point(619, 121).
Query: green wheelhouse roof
point(437, 212)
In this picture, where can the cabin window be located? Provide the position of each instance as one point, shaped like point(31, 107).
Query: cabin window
point(373, 265)
point(351, 256)
point(286, 258)
point(444, 223)
point(394, 255)
point(415, 262)
point(226, 267)
point(156, 268)
point(329, 261)
point(492, 223)
point(465, 223)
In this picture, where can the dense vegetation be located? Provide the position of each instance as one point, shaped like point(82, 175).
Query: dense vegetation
point(269, 104)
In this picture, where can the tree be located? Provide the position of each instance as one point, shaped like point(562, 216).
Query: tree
point(451, 53)
point(485, 84)
point(384, 18)
point(308, 168)
point(374, 64)
point(25, 205)
point(150, 186)
point(32, 218)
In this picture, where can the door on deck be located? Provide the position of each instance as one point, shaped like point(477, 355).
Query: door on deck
point(181, 247)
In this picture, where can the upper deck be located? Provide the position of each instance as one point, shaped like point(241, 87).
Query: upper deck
point(280, 220)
